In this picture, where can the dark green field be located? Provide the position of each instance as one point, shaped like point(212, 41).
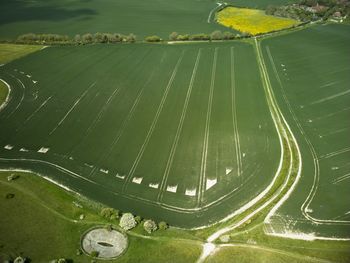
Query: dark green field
point(171, 132)
point(311, 75)
point(143, 18)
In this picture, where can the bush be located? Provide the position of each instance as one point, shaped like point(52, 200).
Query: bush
point(138, 219)
point(163, 225)
point(109, 213)
point(153, 39)
point(12, 177)
point(183, 37)
point(150, 226)
point(216, 35)
point(127, 221)
point(200, 37)
point(228, 35)
point(173, 36)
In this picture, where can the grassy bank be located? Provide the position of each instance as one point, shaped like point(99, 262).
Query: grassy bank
point(9, 52)
point(41, 211)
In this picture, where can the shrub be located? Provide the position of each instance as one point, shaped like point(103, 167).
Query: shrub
point(127, 221)
point(109, 213)
point(62, 260)
point(153, 39)
point(150, 226)
point(173, 36)
point(228, 35)
point(12, 177)
point(138, 219)
point(200, 37)
point(9, 196)
point(183, 37)
point(163, 225)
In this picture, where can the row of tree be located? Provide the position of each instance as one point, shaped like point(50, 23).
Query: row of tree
point(216, 35)
point(87, 38)
point(128, 221)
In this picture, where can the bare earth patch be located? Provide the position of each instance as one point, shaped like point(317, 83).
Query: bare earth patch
point(108, 244)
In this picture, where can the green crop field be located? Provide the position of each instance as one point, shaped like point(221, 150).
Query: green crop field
point(311, 74)
point(142, 18)
point(216, 146)
point(172, 132)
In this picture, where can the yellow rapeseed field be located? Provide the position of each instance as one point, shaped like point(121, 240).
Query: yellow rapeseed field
point(252, 21)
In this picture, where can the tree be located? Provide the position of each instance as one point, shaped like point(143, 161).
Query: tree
point(228, 35)
point(153, 39)
point(127, 221)
point(200, 37)
point(163, 225)
point(150, 226)
point(183, 37)
point(131, 38)
point(216, 35)
point(109, 213)
point(77, 39)
point(173, 36)
point(87, 38)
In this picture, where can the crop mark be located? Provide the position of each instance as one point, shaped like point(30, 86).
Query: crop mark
point(154, 122)
point(202, 175)
point(72, 108)
point(234, 117)
point(179, 129)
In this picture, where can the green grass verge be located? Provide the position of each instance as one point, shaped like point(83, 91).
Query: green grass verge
point(3, 92)
point(9, 52)
point(42, 223)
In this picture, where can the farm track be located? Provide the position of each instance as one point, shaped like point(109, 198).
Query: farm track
point(291, 177)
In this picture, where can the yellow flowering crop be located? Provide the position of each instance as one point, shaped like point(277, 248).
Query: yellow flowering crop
point(252, 21)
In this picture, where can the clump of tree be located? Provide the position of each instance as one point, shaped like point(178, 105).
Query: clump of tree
point(127, 221)
point(312, 10)
point(110, 213)
point(150, 226)
point(153, 39)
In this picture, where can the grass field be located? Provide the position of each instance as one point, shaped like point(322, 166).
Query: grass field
point(49, 213)
point(310, 74)
point(9, 52)
point(172, 132)
point(71, 17)
point(252, 21)
point(3, 92)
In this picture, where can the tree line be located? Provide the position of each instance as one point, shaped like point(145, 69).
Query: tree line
point(112, 38)
point(216, 35)
point(87, 38)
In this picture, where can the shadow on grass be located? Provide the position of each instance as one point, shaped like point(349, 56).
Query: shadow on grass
point(21, 11)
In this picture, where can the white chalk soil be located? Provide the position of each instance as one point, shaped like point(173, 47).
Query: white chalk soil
point(108, 244)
